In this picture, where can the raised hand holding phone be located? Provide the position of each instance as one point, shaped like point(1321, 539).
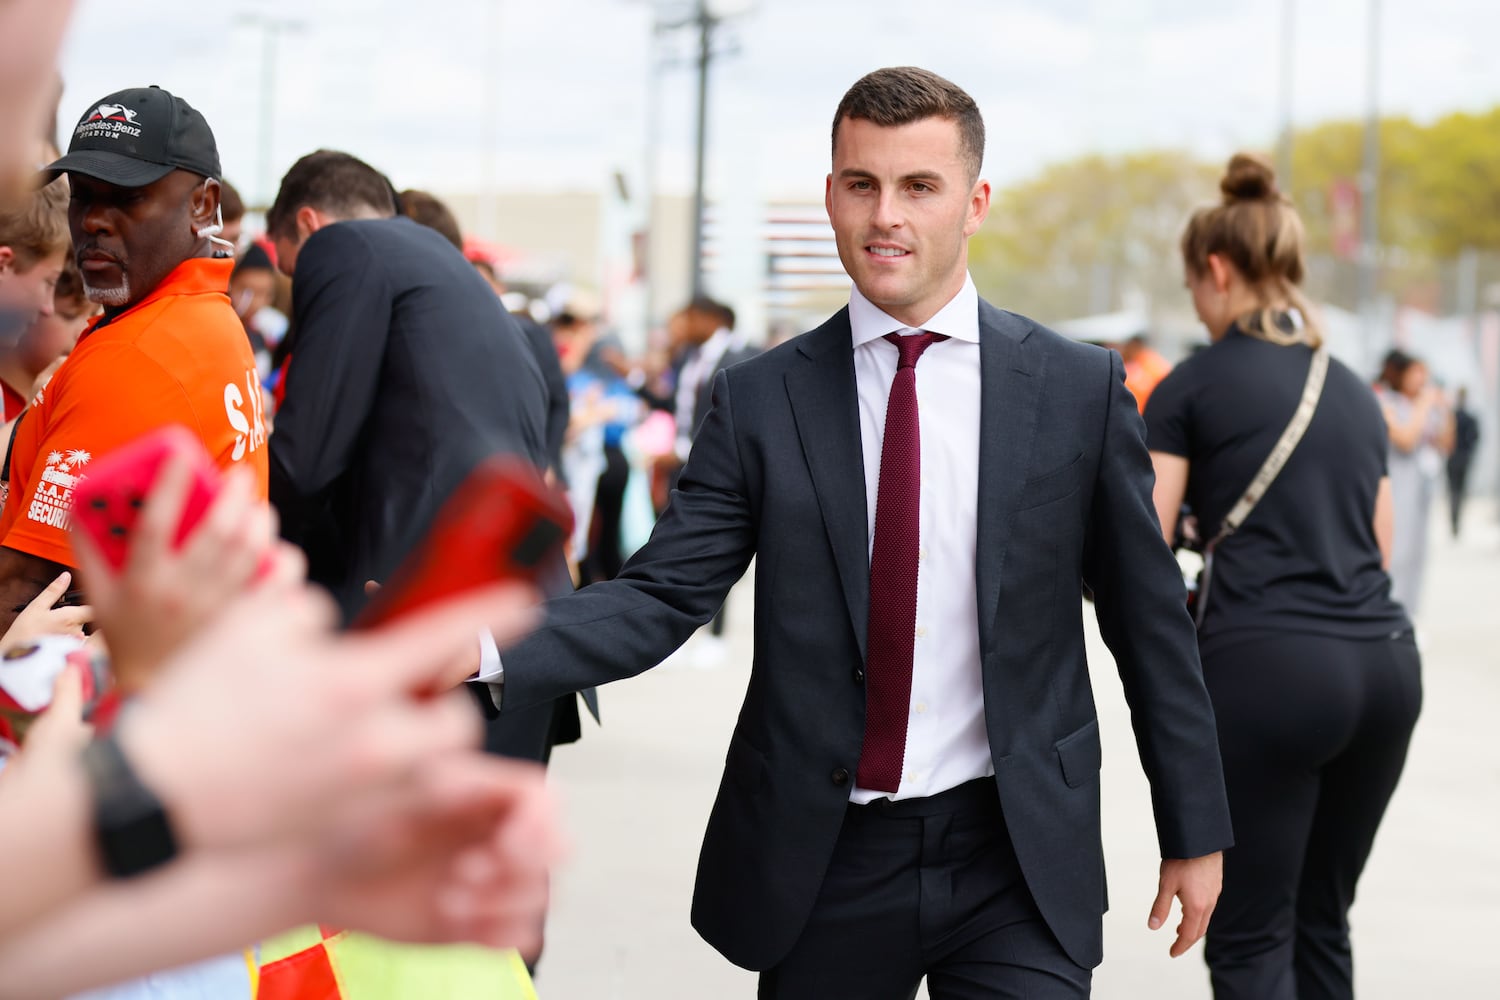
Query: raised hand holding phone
point(502, 524)
point(163, 543)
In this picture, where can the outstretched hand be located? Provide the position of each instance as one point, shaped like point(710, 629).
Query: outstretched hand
point(1196, 883)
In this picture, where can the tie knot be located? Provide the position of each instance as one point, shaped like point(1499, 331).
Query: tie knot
point(912, 345)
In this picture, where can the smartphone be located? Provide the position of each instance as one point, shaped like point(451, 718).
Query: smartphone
point(108, 501)
point(503, 523)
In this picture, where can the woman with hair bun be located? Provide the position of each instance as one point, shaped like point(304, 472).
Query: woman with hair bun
point(1312, 667)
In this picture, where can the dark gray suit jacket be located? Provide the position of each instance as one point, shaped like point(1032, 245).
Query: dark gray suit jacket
point(1065, 496)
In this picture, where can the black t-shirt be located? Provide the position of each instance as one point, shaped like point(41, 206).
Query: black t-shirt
point(1306, 558)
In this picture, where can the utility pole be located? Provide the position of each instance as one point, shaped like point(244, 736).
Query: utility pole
point(1369, 189)
point(489, 119)
point(705, 24)
point(705, 17)
point(272, 28)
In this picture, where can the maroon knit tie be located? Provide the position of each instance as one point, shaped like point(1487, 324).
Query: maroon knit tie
point(893, 576)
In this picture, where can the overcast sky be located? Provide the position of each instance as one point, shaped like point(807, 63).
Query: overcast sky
point(556, 93)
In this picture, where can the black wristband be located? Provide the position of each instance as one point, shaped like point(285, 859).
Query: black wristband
point(130, 825)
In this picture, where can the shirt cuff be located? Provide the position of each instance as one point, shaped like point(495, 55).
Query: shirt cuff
point(491, 671)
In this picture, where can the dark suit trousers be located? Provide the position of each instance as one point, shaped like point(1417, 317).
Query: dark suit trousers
point(926, 887)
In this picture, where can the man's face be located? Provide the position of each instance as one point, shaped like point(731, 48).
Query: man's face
point(29, 291)
point(126, 240)
point(50, 337)
point(903, 208)
point(288, 245)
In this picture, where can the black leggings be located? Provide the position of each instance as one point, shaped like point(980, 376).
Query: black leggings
point(1313, 731)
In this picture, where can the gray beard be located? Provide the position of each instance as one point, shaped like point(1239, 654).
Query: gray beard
point(116, 296)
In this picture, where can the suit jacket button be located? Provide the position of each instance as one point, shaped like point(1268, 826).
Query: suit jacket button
point(840, 776)
point(859, 676)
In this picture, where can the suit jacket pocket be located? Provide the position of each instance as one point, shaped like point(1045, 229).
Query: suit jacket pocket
point(1080, 755)
point(745, 764)
point(1052, 486)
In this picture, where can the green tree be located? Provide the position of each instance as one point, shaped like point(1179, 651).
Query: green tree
point(1083, 236)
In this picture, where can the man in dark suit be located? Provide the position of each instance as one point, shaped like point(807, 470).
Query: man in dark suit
point(912, 787)
point(405, 374)
point(711, 345)
point(1465, 443)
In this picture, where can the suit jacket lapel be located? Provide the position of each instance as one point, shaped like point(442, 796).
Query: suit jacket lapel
point(1010, 385)
point(826, 409)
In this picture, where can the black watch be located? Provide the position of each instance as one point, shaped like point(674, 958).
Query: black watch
point(130, 824)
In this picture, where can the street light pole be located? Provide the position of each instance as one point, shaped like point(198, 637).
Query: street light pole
point(1369, 185)
point(705, 23)
point(271, 28)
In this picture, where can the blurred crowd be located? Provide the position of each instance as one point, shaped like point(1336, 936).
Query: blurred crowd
point(228, 771)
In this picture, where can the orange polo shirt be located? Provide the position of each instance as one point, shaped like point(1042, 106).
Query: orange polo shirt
point(179, 356)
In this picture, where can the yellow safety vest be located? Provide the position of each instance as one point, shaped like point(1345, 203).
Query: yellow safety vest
point(322, 963)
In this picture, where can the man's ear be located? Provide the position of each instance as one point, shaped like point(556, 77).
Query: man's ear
point(309, 220)
point(979, 207)
point(7, 258)
point(204, 204)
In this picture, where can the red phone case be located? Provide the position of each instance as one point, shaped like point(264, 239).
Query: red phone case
point(503, 523)
point(108, 501)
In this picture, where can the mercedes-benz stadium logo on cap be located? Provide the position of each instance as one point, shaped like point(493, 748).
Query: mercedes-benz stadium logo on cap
point(113, 113)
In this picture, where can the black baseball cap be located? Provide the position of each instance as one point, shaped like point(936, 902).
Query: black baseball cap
point(136, 137)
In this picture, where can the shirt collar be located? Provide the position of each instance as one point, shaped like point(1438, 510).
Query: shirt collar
point(958, 319)
point(194, 276)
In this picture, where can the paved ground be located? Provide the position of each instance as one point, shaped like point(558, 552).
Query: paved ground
point(637, 794)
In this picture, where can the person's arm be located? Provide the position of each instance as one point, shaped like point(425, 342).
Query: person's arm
point(701, 545)
point(46, 847)
point(1171, 487)
point(1406, 434)
point(485, 885)
point(342, 309)
point(1141, 607)
point(1447, 433)
point(1385, 522)
point(30, 33)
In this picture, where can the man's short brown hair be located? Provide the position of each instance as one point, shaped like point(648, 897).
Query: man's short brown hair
point(900, 95)
point(230, 202)
point(427, 210)
point(344, 186)
point(36, 227)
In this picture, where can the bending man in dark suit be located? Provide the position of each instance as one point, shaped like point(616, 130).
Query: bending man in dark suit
point(912, 788)
point(406, 372)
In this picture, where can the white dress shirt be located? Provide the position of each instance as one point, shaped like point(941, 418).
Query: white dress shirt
point(946, 740)
point(695, 371)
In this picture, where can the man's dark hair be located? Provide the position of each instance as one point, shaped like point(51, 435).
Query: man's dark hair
point(333, 182)
point(900, 95)
point(230, 202)
point(426, 209)
point(713, 308)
